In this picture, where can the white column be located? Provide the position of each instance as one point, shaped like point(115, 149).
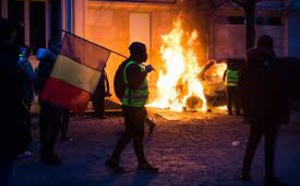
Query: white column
point(27, 22)
point(69, 9)
point(78, 15)
point(4, 8)
point(63, 15)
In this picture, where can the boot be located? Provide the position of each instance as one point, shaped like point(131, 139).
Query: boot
point(244, 176)
point(273, 181)
point(113, 164)
point(146, 167)
point(52, 160)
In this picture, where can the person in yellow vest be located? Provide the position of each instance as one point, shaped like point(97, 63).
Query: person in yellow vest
point(231, 77)
point(133, 108)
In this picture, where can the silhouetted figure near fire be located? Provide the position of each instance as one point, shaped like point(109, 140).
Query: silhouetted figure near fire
point(265, 103)
point(98, 99)
point(133, 107)
point(231, 78)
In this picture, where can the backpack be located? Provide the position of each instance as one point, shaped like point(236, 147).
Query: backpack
point(119, 84)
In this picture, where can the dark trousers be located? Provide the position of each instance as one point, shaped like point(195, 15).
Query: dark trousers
point(134, 130)
point(65, 118)
point(28, 123)
point(269, 130)
point(233, 97)
point(50, 122)
point(6, 168)
point(99, 106)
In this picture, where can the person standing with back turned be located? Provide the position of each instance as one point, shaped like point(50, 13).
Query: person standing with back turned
point(98, 98)
point(133, 108)
point(13, 112)
point(50, 114)
point(266, 104)
point(232, 89)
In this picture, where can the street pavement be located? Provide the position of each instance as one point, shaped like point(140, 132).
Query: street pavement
point(204, 149)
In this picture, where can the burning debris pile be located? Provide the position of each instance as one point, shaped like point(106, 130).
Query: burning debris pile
point(179, 85)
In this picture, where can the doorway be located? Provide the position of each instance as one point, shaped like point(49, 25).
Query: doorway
point(140, 28)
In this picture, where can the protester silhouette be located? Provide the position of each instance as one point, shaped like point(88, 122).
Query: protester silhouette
point(13, 139)
point(50, 119)
point(265, 104)
point(102, 91)
point(27, 86)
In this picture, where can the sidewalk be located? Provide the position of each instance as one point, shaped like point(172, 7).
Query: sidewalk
point(205, 150)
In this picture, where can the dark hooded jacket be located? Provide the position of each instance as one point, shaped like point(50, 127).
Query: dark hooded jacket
point(11, 110)
point(47, 60)
point(262, 88)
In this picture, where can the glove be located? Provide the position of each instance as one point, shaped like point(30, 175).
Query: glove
point(149, 68)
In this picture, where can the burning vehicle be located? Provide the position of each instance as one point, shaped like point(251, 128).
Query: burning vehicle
point(184, 83)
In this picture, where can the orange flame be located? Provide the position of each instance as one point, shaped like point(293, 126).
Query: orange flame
point(179, 82)
point(216, 71)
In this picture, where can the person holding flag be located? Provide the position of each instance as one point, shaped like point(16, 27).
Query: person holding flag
point(68, 74)
point(50, 114)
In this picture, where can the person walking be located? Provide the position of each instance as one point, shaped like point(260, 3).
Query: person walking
point(263, 88)
point(231, 77)
point(50, 114)
point(133, 108)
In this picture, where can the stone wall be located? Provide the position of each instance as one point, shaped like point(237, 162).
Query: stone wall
point(229, 41)
point(108, 24)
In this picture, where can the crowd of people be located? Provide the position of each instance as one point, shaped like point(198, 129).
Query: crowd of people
point(259, 85)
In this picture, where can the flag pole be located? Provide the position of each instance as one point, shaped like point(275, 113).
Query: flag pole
point(93, 43)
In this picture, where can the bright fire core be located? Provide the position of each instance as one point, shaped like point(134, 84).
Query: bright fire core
point(178, 85)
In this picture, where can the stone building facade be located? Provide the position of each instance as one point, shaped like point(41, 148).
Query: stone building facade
point(114, 24)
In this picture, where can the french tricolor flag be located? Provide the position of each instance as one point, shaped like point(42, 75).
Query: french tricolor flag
point(75, 74)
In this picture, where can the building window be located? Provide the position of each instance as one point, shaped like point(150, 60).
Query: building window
point(268, 21)
point(140, 28)
point(236, 20)
point(141, 1)
point(239, 20)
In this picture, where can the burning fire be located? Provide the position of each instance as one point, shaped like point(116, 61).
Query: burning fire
point(178, 86)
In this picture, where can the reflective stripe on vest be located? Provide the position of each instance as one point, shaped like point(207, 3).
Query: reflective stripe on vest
point(232, 78)
point(138, 97)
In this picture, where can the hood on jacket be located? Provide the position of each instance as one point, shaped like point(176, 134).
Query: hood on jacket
point(261, 56)
point(43, 53)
